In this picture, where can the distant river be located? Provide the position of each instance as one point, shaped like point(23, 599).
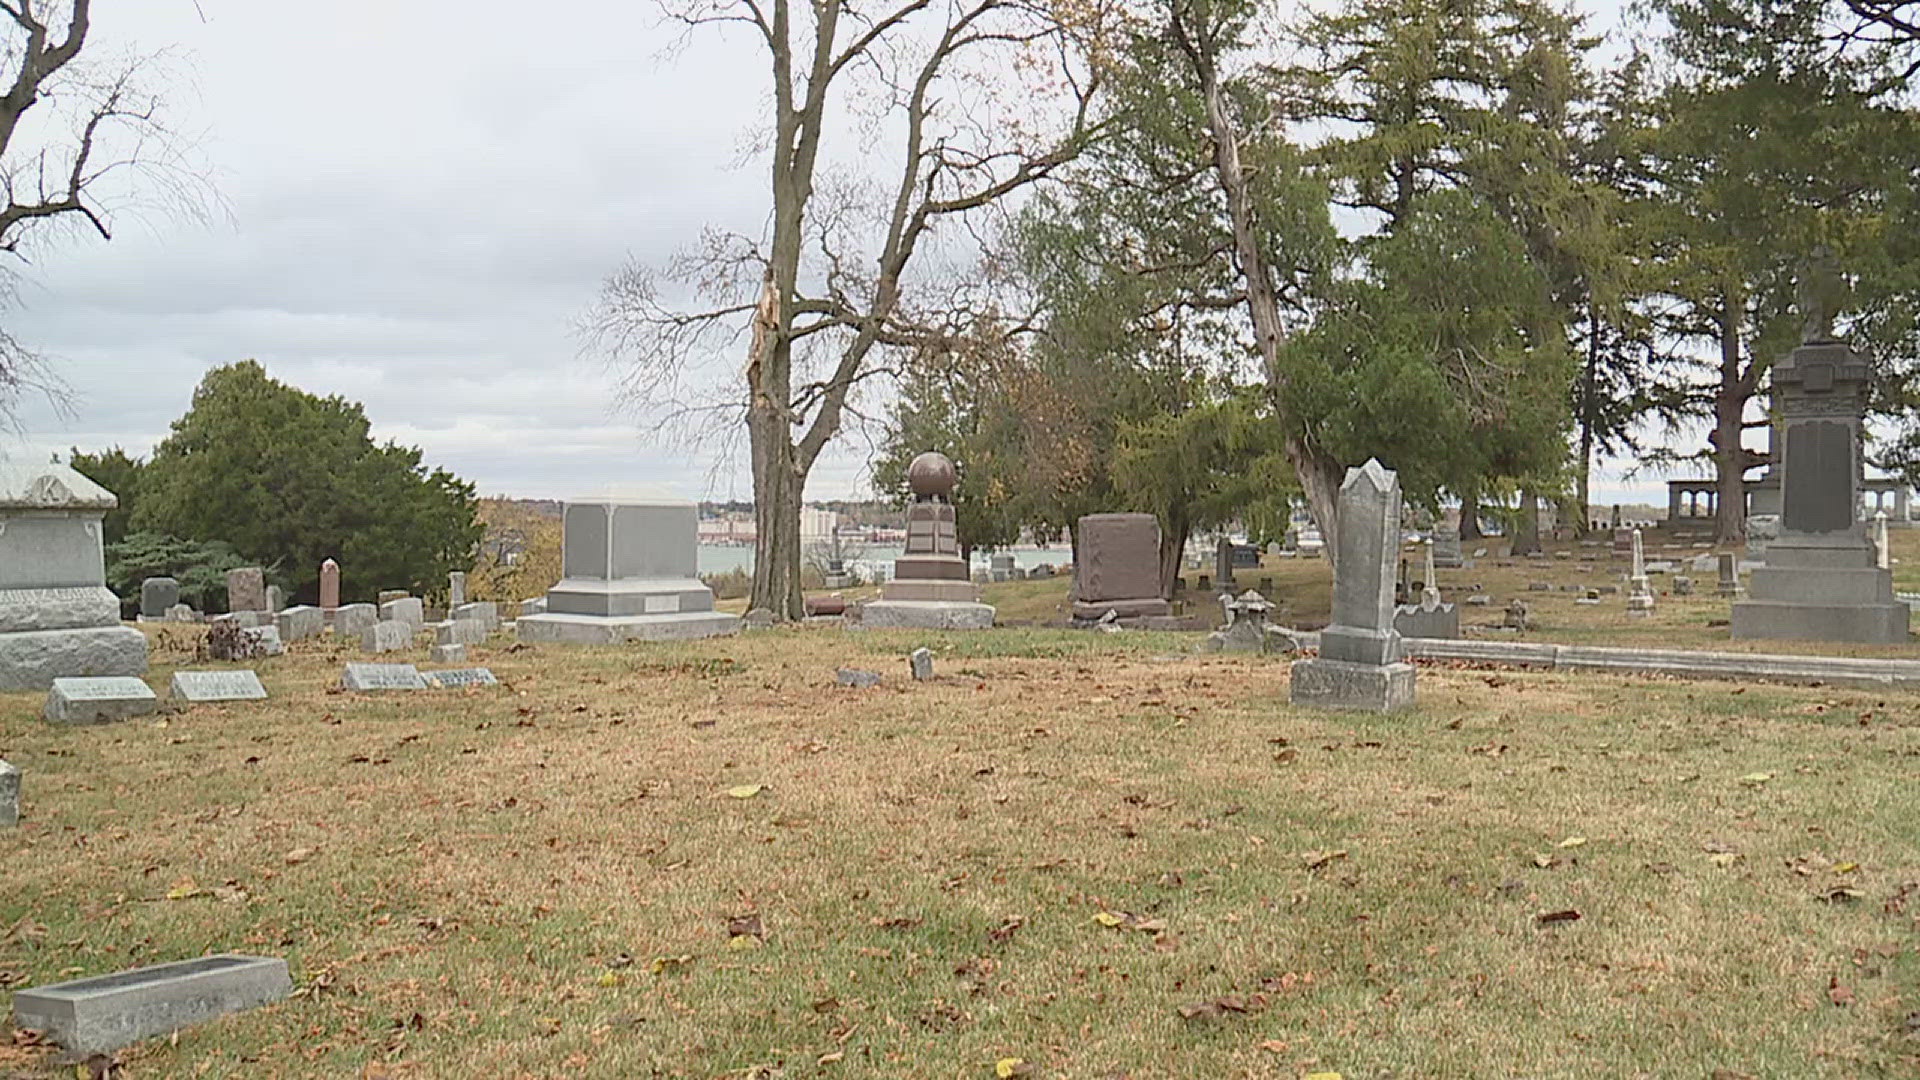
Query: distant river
point(718, 559)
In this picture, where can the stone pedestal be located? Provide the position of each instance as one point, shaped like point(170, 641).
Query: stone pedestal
point(57, 617)
point(1821, 580)
point(1118, 568)
point(629, 573)
point(930, 588)
point(1360, 664)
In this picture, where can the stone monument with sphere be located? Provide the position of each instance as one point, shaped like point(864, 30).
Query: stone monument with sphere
point(629, 571)
point(930, 588)
point(57, 616)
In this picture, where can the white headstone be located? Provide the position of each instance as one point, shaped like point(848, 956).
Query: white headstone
point(98, 700)
point(202, 686)
point(382, 677)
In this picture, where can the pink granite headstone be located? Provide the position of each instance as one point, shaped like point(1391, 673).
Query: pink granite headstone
point(329, 585)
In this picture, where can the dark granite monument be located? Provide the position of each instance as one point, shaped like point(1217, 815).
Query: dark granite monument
point(930, 588)
point(1119, 567)
point(1821, 580)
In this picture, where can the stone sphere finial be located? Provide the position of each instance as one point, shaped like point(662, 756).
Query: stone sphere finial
point(932, 475)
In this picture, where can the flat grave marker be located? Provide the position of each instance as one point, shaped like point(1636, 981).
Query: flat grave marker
point(194, 687)
point(366, 677)
point(106, 1012)
point(98, 700)
point(458, 677)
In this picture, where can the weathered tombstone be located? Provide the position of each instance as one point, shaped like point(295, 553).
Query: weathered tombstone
point(263, 641)
point(57, 617)
point(102, 1014)
point(180, 613)
point(352, 620)
point(455, 678)
point(276, 598)
point(1518, 616)
point(247, 589)
point(100, 700)
point(1639, 593)
point(758, 619)
point(9, 795)
point(1446, 549)
point(244, 619)
point(386, 595)
point(486, 612)
point(1360, 664)
point(460, 632)
point(456, 589)
point(1000, 567)
point(405, 609)
point(386, 636)
point(1882, 554)
point(194, 687)
point(1222, 562)
point(1247, 630)
point(367, 677)
point(930, 589)
point(629, 571)
point(921, 663)
point(1682, 585)
point(1429, 618)
point(1118, 568)
point(1821, 580)
point(1622, 542)
point(300, 623)
point(856, 678)
point(329, 586)
point(1729, 583)
point(157, 594)
point(447, 654)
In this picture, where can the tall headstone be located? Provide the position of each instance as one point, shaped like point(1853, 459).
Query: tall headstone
point(329, 586)
point(1729, 584)
point(629, 571)
point(1639, 591)
point(57, 616)
point(157, 594)
point(1118, 567)
point(930, 588)
point(247, 589)
point(1822, 580)
point(1882, 556)
point(1223, 563)
point(1361, 665)
point(456, 589)
point(1430, 618)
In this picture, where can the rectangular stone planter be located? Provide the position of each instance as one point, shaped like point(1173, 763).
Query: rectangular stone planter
point(101, 1014)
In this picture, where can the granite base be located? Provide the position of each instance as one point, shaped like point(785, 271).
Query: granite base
point(1343, 684)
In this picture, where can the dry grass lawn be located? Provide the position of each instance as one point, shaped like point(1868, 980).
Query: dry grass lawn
point(1099, 855)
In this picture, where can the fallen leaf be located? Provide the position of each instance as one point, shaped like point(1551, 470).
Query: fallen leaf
point(1841, 894)
point(1317, 859)
point(1845, 867)
point(1564, 915)
point(828, 1059)
point(611, 978)
point(1756, 778)
point(1274, 1046)
point(1006, 1068)
point(1571, 841)
point(1838, 994)
point(1323, 1076)
point(1724, 858)
point(1108, 919)
point(744, 942)
point(299, 855)
point(663, 964)
point(745, 791)
point(184, 889)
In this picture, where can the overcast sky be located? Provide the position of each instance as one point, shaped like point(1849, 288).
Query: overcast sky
point(420, 197)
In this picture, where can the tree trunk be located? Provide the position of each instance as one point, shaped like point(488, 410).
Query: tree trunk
point(1526, 527)
point(776, 513)
point(1470, 515)
point(1583, 477)
point(1729, 410)
point(1173, 548)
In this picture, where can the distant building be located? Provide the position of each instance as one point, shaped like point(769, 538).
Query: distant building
point(817, 526)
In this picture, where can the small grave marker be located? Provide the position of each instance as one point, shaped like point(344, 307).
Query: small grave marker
point(99, 700)
point(194, 687)
point(366, 677)
point(104, 1013)
point(457, 677)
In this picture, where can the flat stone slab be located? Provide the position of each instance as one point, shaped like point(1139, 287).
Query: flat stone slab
point(31, 661)
point(367, 677)
point(70, 608)
point(98, 700)
point(604, 630)
point(1343, 684)
point(194, 687)
point(925, 615)
point(1679, 663)
point(104, 1013)
point(453, 678)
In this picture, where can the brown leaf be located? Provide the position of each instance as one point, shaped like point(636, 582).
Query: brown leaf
point(747, 925)
point(1317, 859)
point(299, 855)
point(1003, 933)
point(1546, 918)
point(1838, 994)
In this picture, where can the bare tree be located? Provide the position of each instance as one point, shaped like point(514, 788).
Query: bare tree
point(958, 106)
point(78, 142)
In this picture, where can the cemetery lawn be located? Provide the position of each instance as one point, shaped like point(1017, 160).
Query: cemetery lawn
point(1097, 854)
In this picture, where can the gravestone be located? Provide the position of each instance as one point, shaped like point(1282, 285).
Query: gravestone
point(352, 620)
point(920, 661)
point(195, 687)
point(368, 677)
point(1821, 580)
point(460, 632)
point(447, 654)
point(455, 678)
point(247, 589)
point(1882, 553)
point(329, 586)
point(1247, 629)
point(262, 641)
point(537, 606)
point(1000, 567)
point(102, 1014)
point(1622, 543)
point(1729, 583)
point(456, 589)
point(930, 589)
point(180, 613)
point(9, 795)
point(386, 595)
point(1446, 550)
point(57, 617)
point(300, 623)
point(157, 594)
point(486, 612)
point(386, 636)
point(1361, 665)
point(856, 678)
point(405, 609)
point(1118, 568)
point(1639, 592)
point(276, 599)
point(1429, 618)
point(1682, 585)
point(1222, 562)
point(98, 700)
point(246, 620)
point(629, 572)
